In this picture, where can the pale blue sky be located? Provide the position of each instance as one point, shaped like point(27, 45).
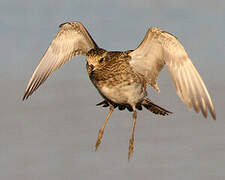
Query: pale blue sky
point(52, 135)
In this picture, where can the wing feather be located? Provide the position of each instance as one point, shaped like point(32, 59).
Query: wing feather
point(71, 40)
point(159, 48)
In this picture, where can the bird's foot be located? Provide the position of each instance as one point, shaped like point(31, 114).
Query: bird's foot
point(131, 148)
point(98, 142)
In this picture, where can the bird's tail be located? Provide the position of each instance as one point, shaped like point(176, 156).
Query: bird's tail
point(154, 108)
point(147, 103)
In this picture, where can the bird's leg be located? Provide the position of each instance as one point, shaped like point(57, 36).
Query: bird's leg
point(101, 130)
point(131, 142)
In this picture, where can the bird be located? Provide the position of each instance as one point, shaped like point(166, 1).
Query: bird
point(122, 77)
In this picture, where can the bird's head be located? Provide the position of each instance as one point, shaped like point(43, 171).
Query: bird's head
point(96, 58)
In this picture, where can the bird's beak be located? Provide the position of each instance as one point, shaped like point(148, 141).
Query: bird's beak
point(90, 68)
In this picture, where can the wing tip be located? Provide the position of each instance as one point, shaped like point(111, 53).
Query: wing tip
point(28, 92)
point(25, 96)
point(213, 113)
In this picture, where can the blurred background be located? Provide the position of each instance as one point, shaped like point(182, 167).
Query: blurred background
point(52, 134)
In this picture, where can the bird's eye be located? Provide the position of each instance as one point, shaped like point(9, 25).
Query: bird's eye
point(101, 60)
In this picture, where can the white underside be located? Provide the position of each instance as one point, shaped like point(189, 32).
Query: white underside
point(124, 94)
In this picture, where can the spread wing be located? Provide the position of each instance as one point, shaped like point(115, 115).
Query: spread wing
point(71, 40)
point(159, 48)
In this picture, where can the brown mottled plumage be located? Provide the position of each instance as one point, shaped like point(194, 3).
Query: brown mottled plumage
point(122, 77)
